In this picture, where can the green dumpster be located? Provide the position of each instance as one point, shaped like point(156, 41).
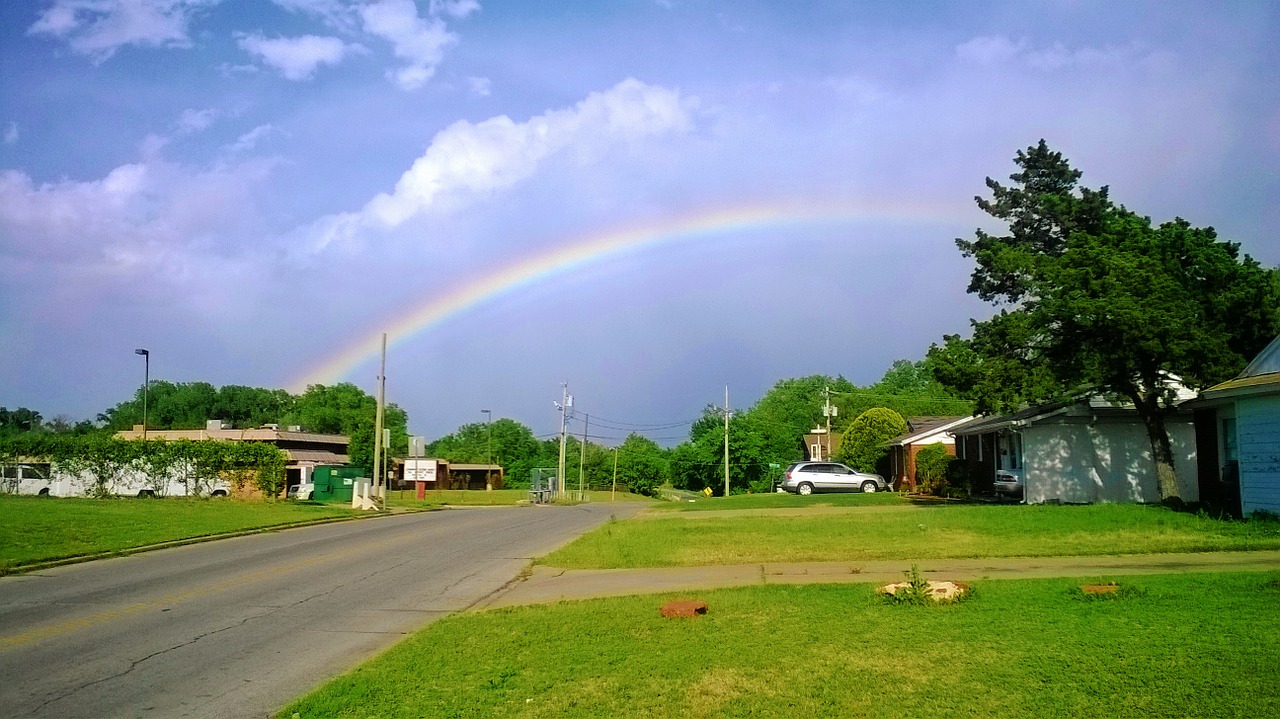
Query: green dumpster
point(335, 484)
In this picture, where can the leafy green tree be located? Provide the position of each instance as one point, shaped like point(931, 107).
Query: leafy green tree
point(863, 444)
point(19, 420)
point(788, 410)
point(513, 447)
point(346, 409)
point(642, 465)
point(1099, 298)
point(699, 463)
point(910, 389)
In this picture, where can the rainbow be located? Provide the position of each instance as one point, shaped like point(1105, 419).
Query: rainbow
point(601, 246)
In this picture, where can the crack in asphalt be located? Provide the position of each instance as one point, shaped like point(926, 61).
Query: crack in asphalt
point(133, 664)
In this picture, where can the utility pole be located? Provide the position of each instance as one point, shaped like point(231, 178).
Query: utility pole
point(726, 441)
point(826, 410)
point(582, 463)
point(614, 496)
point(488, 470)
point(377, 425)
point(564, 408)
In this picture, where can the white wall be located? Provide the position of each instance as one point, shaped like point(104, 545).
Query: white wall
point(1076, 460)
point(1258, 430)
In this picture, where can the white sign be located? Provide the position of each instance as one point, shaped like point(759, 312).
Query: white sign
point(420, 470)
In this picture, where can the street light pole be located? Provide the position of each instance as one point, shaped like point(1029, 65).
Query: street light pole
point(488, 470)
point(146, 382)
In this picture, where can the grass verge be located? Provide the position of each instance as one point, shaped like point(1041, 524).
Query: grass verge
point(909, 531)
point(42, 529)
point(782, 500)
point(1164, 646)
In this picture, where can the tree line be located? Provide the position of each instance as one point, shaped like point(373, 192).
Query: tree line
point(327, 409)
point(763, 439)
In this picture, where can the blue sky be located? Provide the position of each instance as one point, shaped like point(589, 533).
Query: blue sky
point(246, 188)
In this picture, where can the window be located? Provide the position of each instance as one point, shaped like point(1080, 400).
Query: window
point(1230, 446)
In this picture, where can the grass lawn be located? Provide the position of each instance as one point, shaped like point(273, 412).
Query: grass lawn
point(1165, 646)
point(890, 528)
point(775, 500)
point(37, 529)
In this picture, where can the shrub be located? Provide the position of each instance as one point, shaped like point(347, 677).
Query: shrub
point(863, 443)
point(932, 463)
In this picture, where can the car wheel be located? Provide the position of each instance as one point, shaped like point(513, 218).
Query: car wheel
point(805, 489)
point(869, 487)
point(219, 493)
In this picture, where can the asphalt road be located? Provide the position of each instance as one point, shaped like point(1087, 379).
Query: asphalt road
point(239, 627)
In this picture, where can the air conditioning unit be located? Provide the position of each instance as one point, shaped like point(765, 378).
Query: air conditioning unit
point(216, 425)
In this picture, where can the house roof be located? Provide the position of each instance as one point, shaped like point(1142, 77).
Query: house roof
point(1267, 361)
point(239, 435)
point(925, 427)
point(1262, 376)
point(1258, 384)
point(1092, 406)
point(315, 456)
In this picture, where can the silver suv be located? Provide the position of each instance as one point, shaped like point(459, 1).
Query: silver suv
point(809, 477)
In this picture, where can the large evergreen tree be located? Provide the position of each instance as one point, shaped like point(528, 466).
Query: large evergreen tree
point(1097, 297)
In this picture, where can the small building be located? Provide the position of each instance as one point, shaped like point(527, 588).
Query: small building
point(922, 432)
point(821, 445)
point(304, 450)
point(1088, 450)
point(1238, 432)
point(426, 473)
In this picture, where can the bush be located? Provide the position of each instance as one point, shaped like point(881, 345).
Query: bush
point(863, 443)
point(932, 463)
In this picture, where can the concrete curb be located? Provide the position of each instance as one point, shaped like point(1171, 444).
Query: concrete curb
point(551, 584)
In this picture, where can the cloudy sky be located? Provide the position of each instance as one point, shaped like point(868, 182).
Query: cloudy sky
point(648, 199)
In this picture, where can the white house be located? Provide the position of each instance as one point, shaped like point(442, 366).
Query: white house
point(1238, 425)
point(1090, 450)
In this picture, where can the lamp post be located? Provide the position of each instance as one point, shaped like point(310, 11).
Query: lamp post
point(488, 470)
point(146, 382)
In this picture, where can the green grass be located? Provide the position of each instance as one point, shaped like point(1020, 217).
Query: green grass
point(1166, 646)
point(775, 500)
point(39, 529)
point(906, 531)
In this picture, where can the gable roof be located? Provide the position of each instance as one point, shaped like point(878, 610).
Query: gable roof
point(922, 428)
point(1262, 376)
point(1267, 361)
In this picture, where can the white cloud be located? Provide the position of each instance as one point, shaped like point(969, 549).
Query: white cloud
point(419, 41)
point(480, 86)
point(11, 133)
point(150, 212)
point(454, 8)
point(467, 160)
point(98, 28)
point(250, 139)
point(193, 121)
point(340, 14)
point(1000, 50)
point(298, 57)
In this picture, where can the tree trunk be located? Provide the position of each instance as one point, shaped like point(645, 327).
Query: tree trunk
point(1153, 416)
